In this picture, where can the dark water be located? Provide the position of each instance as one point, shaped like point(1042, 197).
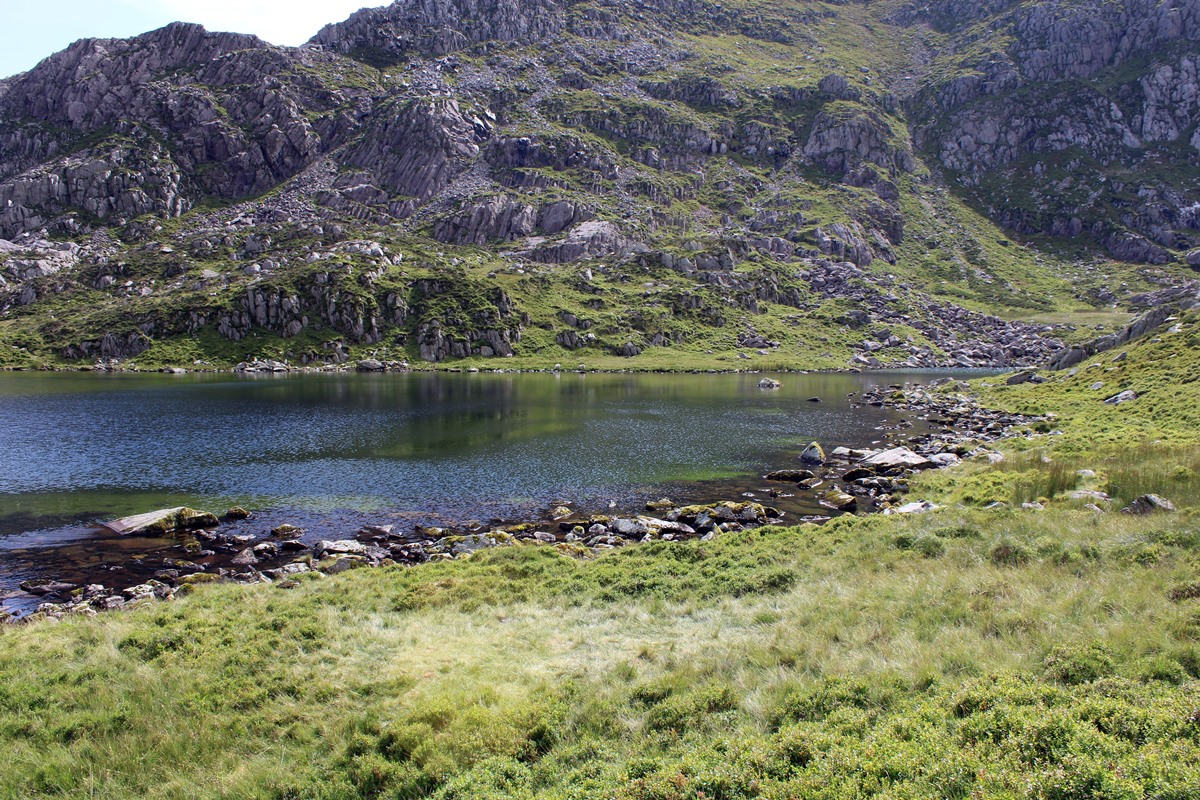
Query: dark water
point(332, 452)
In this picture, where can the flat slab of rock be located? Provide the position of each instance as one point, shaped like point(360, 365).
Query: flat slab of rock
point(1124, 397)
point(898, 457)
point(790, 475)
point(162, 522)
point(341, 547)
point(918, 507)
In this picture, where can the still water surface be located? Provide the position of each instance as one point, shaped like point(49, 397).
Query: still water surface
point(333, 451)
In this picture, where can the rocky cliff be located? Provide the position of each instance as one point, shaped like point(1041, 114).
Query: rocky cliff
point(766, 183)
point(1074, 118)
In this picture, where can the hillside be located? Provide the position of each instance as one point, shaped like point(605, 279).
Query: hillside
point(667, 184)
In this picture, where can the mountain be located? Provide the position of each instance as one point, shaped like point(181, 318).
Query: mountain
point(666, 183)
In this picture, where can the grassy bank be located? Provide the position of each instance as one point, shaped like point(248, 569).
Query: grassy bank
point(1003, 653)
point(969, 652)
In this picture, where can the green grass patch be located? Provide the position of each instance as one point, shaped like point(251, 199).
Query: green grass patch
point(848, 659)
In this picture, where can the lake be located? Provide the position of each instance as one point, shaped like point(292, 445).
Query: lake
point(331, 452)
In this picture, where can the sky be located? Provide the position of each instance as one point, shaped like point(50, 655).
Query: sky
point(30, 30)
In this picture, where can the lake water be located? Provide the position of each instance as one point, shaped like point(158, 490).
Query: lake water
point(331, 452)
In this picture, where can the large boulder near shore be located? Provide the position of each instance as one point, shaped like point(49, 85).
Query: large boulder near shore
point(813, 454)
point(839, 500)
point(629, 528)
point(470, 543)
point(916, 507)
point(163, 522)
point(340, 547)
point(898, 457)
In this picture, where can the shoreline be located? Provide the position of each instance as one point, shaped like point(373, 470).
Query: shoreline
point(855, 481)
point(350, 369)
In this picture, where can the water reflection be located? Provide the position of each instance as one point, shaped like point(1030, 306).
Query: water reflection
point(342, 449)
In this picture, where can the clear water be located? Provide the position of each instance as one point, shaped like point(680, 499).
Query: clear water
point(332, 451)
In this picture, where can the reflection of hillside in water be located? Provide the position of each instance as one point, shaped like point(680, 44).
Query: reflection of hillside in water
point(334, 452)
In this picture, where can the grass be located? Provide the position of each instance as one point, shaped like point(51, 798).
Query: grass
point(814, 661)
point(968, 652)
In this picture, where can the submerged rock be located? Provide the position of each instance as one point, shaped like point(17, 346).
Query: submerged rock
point(790, 475)
point(42, 588)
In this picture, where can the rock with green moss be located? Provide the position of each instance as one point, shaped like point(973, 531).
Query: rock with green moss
point(790, 475)
point(839, 500)
point(470, 543)
point(341, 562)
point(163, 522)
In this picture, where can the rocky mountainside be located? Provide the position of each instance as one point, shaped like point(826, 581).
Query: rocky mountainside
point(662, 183)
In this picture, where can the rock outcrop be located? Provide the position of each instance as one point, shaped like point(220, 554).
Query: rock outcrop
point(439, 27)
point(1076, 93)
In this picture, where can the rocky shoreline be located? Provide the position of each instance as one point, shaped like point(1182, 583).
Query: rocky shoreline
point(842, 480)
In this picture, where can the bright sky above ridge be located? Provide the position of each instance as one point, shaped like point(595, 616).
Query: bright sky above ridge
point(32, 30)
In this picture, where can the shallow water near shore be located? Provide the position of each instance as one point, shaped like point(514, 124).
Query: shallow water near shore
point(332, 452)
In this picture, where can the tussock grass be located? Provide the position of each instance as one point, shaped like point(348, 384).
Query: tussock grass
point(652, 672)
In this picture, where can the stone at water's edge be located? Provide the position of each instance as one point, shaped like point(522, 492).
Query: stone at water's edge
point(813, 454)
point(286, 531)
point(839, 500)
point(162, 522)
point(898, 457)
point(340, 547)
